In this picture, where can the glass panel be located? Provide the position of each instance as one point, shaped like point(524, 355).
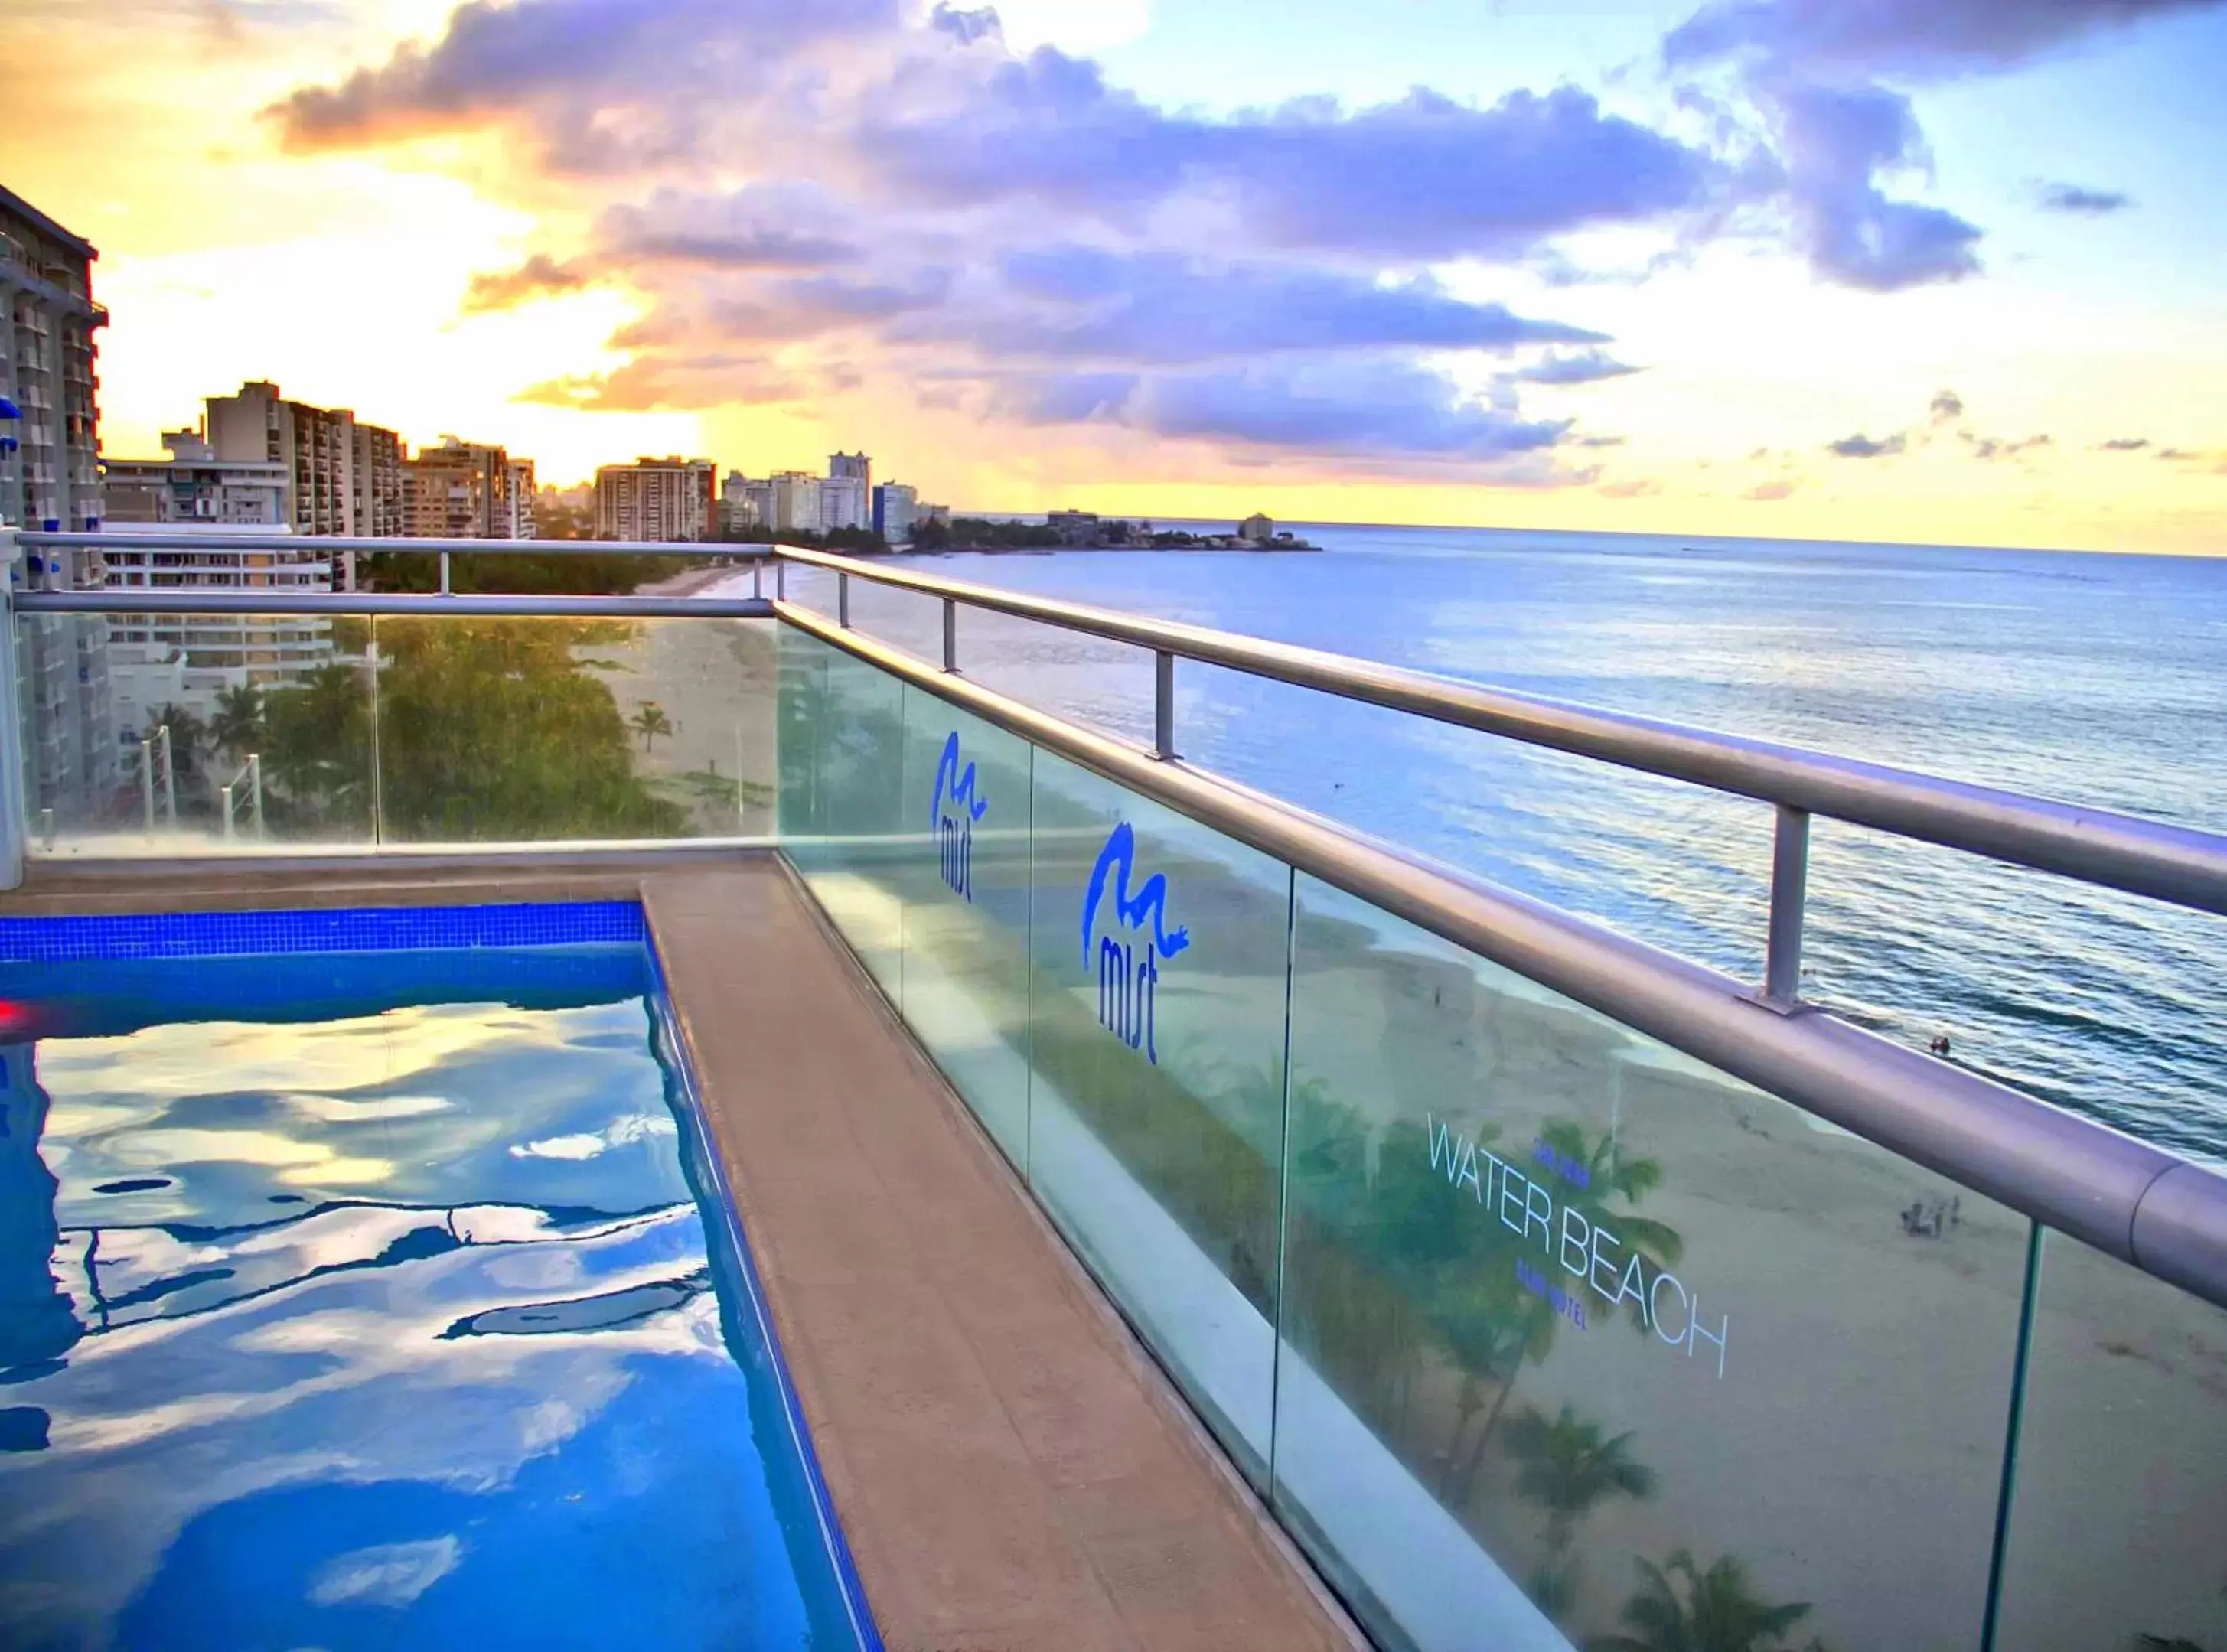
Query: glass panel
point(2118, 1530)
point(1156, 1041)
point(1586, 1339)
point(965, 910)
point(803, 711)
point(860, 757)
point(515, 731)
point(136, 725)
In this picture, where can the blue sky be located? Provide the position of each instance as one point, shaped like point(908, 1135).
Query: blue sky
point(1932, 270)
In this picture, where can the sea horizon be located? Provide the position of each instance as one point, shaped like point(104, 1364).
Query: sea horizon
point(2090, 678)
point(1297, 523)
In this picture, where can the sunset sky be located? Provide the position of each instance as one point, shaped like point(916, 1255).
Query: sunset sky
point(1947, 271)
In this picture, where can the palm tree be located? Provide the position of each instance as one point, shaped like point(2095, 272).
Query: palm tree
point(650, 721)
point(236, 726)
point(1567, 1467)
point(189, 734)
point(1719, 1611)
point(1494, 1326)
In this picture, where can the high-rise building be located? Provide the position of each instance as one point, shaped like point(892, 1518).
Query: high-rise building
point(192, 485)
point(795, 501)
point(845, 498)
point(842, 503)
point(467, 490)
point(1074, 527)
point(341, 477)
point(668, 499)
point(50, 477)
point(50, 414)
point(895, 503)
point(375, 502)
point(519, 504)
point(744, 503)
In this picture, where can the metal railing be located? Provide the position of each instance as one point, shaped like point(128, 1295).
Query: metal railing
point(2135, 1201)
point(2139, 1203)
point(2122, 851)
point(151, 536)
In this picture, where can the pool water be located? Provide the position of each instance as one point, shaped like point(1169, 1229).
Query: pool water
point(368, 1300)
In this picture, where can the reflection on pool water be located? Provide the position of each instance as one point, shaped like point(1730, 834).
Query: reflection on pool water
point(364, 1300)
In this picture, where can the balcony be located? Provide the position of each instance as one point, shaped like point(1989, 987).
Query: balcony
point(1190, 1222)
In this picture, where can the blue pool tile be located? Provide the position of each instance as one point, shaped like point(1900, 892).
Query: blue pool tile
point(201, 934)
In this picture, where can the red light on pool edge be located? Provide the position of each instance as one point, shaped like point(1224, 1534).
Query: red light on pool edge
point(14, 1016)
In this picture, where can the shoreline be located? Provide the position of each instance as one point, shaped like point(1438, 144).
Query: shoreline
point(1106, 550)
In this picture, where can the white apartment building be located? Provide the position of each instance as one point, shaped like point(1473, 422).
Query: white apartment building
point(194, 485)
point(894, 504)
point(50, 477)
point(376, 509)
point(842, 502)
point(795, 501)
point(518, 506)
point(668, 499)
point(744, 503)
point(49, 411)
point(319, 448)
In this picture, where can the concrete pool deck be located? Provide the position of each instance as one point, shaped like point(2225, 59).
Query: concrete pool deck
point(1011, 1469)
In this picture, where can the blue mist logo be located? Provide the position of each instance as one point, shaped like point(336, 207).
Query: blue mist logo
point(957, 804)
point(1131, 944)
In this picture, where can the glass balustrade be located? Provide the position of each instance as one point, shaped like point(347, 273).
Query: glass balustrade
point(156, 736)
point(1536, 1332)
point(1532, 1330)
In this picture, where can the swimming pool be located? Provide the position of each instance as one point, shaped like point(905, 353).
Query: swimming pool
point(377, 1297)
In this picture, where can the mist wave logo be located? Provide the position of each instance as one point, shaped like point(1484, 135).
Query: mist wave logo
point(952, 814)
point(1131, 946)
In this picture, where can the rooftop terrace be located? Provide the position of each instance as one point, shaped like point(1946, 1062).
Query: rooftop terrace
point(1189, 1221)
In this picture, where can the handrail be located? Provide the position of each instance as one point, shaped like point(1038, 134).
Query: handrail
point(135, 599)
point(2180, 865)
point(2135, 1201)
point(152, 536)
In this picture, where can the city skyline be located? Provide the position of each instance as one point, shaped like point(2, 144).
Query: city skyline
point(1772, 268)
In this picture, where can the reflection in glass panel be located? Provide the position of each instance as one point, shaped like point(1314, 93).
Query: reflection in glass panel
point(803, 709)
point(194, 733)
point(966, 908)
point(1157, 1039)
point(860, 757)
point(540, 729)
point(2118, 1528)
point(1586, 1339)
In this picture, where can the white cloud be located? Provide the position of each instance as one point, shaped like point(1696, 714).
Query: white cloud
point(1078, 28)
point(386, 1574)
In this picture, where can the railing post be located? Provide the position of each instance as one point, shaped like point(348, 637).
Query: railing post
point(1789, 879)
point(843, 600)
point(780, 578)
point(224, 801)
point(169, 778)
point(950, 635)
point(1163, 704)
point(757, 578)
point(444, 575)
point(255, 793)
point(147, 781)
point(15, 814)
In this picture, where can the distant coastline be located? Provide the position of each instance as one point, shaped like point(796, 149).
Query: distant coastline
point(1210, 548)
point(1072, 530)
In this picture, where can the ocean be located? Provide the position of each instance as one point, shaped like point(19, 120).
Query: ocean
point(2093, 679)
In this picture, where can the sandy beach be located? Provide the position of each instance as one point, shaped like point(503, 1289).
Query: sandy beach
point(715, 681)
point(1848, 1449)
